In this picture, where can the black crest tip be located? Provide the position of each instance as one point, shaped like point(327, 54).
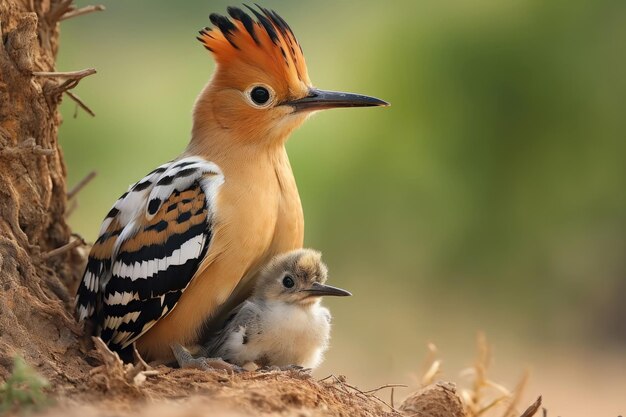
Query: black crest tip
point(223, 23)
point(238, 14)
point(265, 22)
point(225, 26)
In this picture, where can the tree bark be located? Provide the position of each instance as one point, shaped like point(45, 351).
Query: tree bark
point(36, 284)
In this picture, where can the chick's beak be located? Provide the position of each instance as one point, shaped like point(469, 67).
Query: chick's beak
point(322, 99)
point(318, 290)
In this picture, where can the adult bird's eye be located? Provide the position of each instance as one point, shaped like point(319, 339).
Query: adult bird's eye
point(288, 282)
point(260, 95)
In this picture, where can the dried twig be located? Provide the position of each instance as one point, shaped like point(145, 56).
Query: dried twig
point(81, 184)
point(366, 394)
point(431, 373)
point(372, 396)
point(533, 408)
point(519, 389)
point(432, 366)
point(372, 391)
point(65, 74)
point(71, 78)
point(65, 248)
point(80, 104)
point(70, 208)
point(340, 380)
point(489, 406)
point(82, 11)
point(339, 383)
point(325, 379)
point(473, 397)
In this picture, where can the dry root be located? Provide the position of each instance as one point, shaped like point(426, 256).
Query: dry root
point(114, 373)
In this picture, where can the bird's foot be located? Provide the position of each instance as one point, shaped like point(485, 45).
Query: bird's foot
point(213, 364)
point(186, 360)
point(250, 367)
point(297, 369)
point(268, 368)
point(288, 368)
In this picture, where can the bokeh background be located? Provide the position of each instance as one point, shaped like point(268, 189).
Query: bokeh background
point(490, 196)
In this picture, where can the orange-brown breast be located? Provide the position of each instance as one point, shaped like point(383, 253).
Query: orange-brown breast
point(258, 215)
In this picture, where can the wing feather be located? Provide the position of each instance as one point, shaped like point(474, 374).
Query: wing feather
point(243, 318)
point(149, 249)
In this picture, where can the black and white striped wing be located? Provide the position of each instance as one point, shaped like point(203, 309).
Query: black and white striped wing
point(155, 246)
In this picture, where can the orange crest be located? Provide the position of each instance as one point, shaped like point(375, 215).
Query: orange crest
point(266, 43)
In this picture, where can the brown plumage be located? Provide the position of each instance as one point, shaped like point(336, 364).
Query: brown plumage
point(157, 274)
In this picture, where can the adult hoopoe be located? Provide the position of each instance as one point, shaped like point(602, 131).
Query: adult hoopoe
point(189, 239)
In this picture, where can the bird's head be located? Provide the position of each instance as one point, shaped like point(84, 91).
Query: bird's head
point(296, 277)
point(260, 90)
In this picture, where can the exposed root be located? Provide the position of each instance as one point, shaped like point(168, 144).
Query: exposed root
point(116, 374)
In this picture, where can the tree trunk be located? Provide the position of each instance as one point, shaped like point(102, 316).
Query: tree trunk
point(35, 292)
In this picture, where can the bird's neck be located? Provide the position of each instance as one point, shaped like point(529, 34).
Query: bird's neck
point(223, 146)
point(246, 162)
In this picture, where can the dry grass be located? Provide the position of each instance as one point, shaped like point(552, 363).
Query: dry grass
point(481, 396)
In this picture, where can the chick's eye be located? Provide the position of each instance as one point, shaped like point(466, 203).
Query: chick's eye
point(288, 282)
point(260, 95)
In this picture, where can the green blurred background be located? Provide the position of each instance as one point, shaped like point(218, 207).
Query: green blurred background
point(490, 196)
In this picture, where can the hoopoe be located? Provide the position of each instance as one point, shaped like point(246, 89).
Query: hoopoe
point(187, 241)
point(282, 324)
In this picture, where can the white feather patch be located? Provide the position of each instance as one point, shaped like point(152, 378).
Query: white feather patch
point(84, 312)
point(188, 250)
point(115, 298)
point(119, 336)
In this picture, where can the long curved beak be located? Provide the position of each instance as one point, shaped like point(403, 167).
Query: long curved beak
point(322, 99)
point(318, 290)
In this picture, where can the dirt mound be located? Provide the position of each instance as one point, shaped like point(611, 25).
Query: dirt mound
point(184, 392)
point(125, 389)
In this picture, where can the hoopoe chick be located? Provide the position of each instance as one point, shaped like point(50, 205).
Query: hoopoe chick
point(282, 324)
